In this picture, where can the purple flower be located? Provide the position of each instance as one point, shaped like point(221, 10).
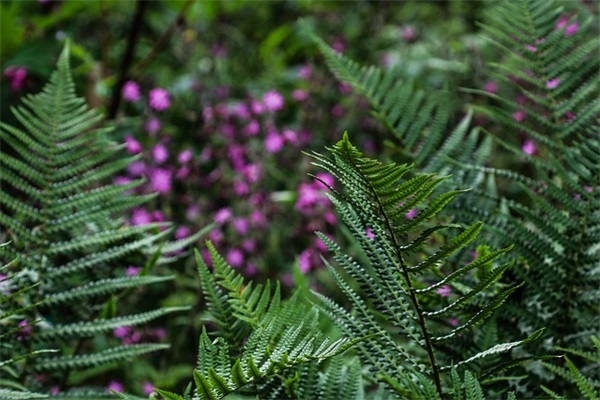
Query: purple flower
point(223, 215)
point(159, 99)
point(531, 48)
point(258, 219)
point(133, 146)
point(444, 291)
point(235, 257)
point(121, 332)
point(241, 226)
point(240, 188)
point(257, 107)
point(25, 329)
point(305, 261)
point(249, 245)
point(324, 177)
point(552, 83)
point(273, 101)
point(122, 180)
point(17, 76)
point(132, 271)
point(182, 232)
point(291, 137)
point(185, 156)
point(152, 125)
point(252, 128)
point(369, 233)
point(572, 29)
point(588, 189)
point(519, 116)
point(300, 95)
point(529, 147)
point(115, 386)
point(160, 153)
point(562, 22)
point(408, 34)
point(305, 72)
point(130, 91)
point(453, 321)
point(273, 143)
point(411, 214)
point(147, 388)
point(160, 179)
point(140, 217)
point(54, 390)
point(491, 87)
point(337, 111)
point(136, 168)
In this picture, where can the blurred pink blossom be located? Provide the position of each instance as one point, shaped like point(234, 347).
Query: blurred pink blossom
point(305, 72)
point(519, 116)
point(140, 217)
point(531, 48)
point(182, 232)
point(572, 29)
point(369, 233)
point(273, 101)
point(185, 156)
point(300, 95)
point(529, 147)
point(115, 386)
point(562, 22)
point(131, 91)
point(304, 261)
point(444, 291)
point(235, 257)
point(491, 87)
point(159, 99)
point(147, 388)
point(552, 83)
point(241, 226)
point(152, 125)
point(160, 153)
point(132, 271)
point(16, 76)
point(133, 146)
point(253, 128)
point(411, 214)
point(223, 215)
point(160, 179)
point(273, 142)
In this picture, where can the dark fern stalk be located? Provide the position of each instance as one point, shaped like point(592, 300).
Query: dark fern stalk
point(68, 238)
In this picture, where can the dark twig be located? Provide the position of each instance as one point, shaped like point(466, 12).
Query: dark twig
point(137, 69)
point(136, 26)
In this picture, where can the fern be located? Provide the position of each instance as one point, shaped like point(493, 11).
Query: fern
point(267, 337)
point(393, 280)
point(68, 238)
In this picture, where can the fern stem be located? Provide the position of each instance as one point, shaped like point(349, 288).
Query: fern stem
point(435, 373)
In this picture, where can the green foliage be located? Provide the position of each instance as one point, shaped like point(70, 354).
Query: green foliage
point(397, 278)
point(260, 337)
point(69, 242)
point(555, 229)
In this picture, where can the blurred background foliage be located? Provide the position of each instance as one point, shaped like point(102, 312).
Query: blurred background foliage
point(247, 93)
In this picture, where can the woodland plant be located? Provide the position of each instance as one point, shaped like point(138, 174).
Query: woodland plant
point(69, 247)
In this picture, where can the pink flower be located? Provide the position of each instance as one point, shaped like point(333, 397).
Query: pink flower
point(572, 29)
point(531, 48)
point(562, 22)
point(519, 116)
point(17, 76)
point(25, 329)
point(115, 386)
point(147, 388)
point(160, 179)
point(159, 99)
point(249, 245)
point(121, 332)
point(529, 147)
point(160, 153)
point(140, 217)
point(152, 125)
point(305, 261)
point(273, 101)
point(300, 95)
point(411, 214)
point(235, 258)
point(337, 111)
point(185, 156)
point(133, 146)
point(223, 215)
point(369, 233)
point(552, 83)
point(408, 34)
point(252, 128)
point(328, 179)
point(453, 321)
point(290, 136)
point(136, 168)
point(258, 219)
point(122, 180)
point(54, 390)
point(444, 291)
point(588, 189)
point(273, 142)
point(130, 91)
point(182, 232)
point(304, 72)
point(257, 107)
point(241, 226)
point(240, 188)
point(132, 271)
point(491, 87)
